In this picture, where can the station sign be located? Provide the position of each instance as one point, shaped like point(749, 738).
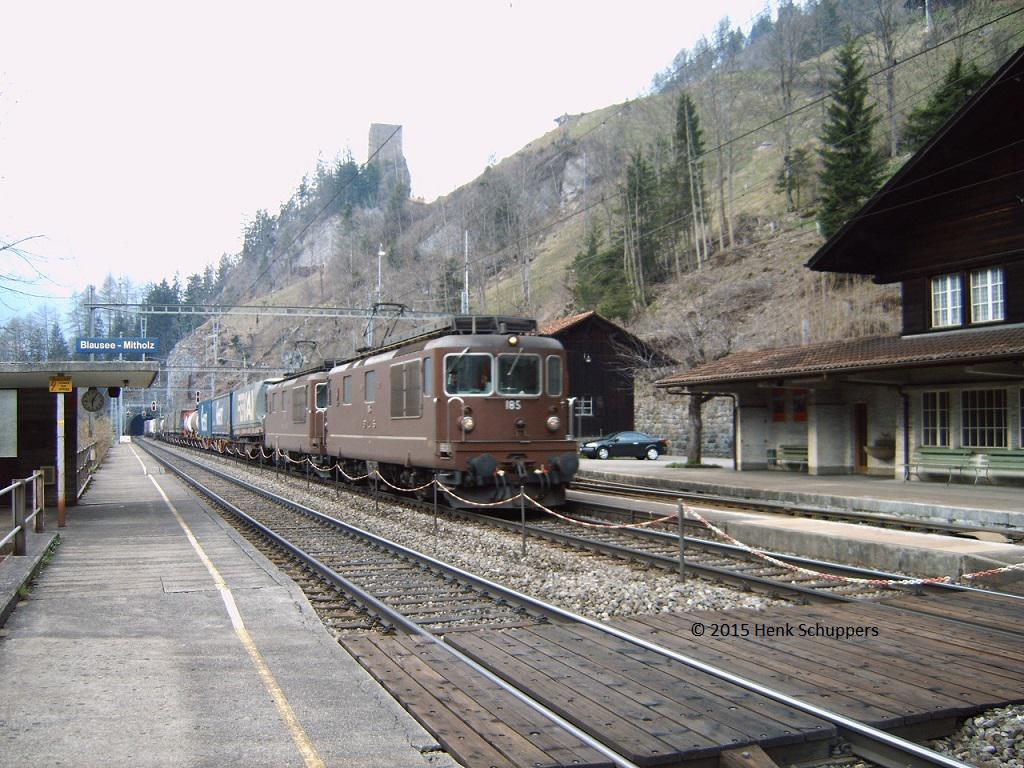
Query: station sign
point(131, 345)
point(60, 385)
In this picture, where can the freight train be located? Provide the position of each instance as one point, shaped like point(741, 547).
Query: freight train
point(480, 403)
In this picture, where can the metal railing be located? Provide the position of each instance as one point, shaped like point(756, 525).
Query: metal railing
point(22, 513)
point(88, 460)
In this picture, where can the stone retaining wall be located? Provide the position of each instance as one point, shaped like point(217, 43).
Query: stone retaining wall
point(664, 415)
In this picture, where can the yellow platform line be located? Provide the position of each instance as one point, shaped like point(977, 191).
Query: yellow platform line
point(298, 733)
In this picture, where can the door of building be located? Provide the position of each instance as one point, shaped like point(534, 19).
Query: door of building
point(860, 438)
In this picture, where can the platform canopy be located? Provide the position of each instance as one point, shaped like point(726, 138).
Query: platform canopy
point(83, 373)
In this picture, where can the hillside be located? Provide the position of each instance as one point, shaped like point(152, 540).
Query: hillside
point(528, 216)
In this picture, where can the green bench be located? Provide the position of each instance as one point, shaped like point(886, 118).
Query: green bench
point(1008, 463)
point(786, 455)
point(939, 460)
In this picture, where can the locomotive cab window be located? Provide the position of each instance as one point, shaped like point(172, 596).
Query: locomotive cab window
point(322, 396)
point(466, 374)
point(554, 384)
point(346, 390)
point(518, 374)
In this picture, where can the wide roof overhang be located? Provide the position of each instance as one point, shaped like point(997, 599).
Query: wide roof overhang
point(83, 373)
point(965, 357)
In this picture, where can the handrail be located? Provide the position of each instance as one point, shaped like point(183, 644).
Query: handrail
point(462, 412)
point(85, 466)
point(18, 490)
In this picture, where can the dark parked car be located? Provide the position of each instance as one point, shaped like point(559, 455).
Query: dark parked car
point(617, 444)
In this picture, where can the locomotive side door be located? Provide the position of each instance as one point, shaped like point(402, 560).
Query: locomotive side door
point(318, 422)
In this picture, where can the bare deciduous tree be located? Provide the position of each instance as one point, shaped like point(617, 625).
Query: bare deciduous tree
point(889, 24)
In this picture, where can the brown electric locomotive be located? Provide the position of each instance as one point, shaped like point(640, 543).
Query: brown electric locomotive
point(481, 403)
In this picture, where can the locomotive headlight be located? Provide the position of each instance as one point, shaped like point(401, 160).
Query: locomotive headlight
point(513, 340)
point(467, 423)
point(554, 423)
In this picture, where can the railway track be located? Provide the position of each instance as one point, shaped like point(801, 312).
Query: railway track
point(867, 741)
point(780, 575)
point(731, 503)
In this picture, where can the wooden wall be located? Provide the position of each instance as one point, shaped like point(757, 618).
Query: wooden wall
point(37, 441)
point(598, 370)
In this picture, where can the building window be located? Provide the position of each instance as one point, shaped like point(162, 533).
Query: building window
point(935, 419)
point(946, 304)
point(799, 405)
point(778, 405)
point(987, 296)
point(983, 418)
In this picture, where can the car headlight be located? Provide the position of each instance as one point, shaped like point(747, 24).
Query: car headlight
point(554, 423)
point(590, 445)
point(467, 423)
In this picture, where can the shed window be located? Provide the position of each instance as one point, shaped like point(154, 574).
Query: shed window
point(983, 418)
point(935, 419)
point(370, 386)
point(946, 304)
point(778, 405)
point(987, 303)
point(554, 383)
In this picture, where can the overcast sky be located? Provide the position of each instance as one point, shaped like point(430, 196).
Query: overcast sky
point(138, 138)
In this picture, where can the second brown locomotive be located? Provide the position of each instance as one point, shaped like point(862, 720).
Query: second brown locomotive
point(482, 405)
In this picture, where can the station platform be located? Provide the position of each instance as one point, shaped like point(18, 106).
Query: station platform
point(157, 636)
point(889, 549)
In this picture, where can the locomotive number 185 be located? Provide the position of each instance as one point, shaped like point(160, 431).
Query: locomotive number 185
point(513, 405)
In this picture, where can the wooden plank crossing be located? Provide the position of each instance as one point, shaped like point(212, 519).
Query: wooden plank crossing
point(995, 611)
point(908, 673)
point(474, 720)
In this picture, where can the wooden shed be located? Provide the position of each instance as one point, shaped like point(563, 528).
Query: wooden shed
point(603, 358)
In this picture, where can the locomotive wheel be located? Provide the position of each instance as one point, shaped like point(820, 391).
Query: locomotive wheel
point(602, 453)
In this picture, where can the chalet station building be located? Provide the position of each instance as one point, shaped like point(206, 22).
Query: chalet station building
point(945, 398)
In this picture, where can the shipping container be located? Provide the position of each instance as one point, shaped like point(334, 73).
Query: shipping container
point(249, 409)
point(221, 424)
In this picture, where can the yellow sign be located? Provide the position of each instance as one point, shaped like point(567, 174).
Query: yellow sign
point(60, 384)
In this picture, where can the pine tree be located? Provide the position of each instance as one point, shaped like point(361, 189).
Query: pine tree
point(959, 84)
point(57, 345)
point(852, 168)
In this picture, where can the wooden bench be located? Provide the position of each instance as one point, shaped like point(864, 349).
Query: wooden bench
point(938, 460)
point(1008, 463)
point(791, 454)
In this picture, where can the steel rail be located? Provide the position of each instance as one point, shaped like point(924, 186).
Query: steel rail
point(382, 609)
point(724, 574)
point(807, 562)
point(867, 741)
point(715, 572)
point(589, 485)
